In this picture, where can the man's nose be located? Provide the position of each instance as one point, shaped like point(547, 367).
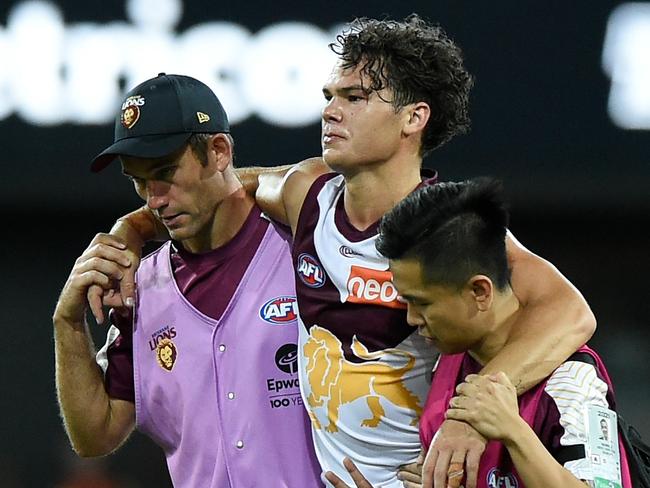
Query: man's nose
point(156, 194)
point(413, 316)
point(332, 111)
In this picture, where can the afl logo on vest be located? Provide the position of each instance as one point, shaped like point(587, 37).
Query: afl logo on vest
point(498, 479)
point(280, 310)
point(310, 271)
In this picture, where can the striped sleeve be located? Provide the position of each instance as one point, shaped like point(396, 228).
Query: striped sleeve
point(571, 387)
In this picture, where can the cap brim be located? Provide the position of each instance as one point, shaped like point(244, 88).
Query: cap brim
point(152, 146)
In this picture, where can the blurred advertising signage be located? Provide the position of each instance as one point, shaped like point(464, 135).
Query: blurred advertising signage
point(52, 72)
point(626, 59)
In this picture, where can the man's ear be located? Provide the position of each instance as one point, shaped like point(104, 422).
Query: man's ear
point(481, 289)
point(418, 115)
point(219, 151)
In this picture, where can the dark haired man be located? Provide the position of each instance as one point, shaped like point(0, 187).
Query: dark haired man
point(447, 252)
point(398, 91)
point(219, 295)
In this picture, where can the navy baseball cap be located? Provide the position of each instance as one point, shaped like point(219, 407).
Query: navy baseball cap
point(158, 116)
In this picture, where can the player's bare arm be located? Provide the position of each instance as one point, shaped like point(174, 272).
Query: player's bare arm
point(96, 424)
point(280, 192)
point(554, 322)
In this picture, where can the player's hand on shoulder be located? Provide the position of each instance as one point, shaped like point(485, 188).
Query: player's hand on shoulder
point(100, 267)
point(453, 456)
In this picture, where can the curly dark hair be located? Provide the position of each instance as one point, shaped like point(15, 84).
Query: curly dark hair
point(418, 63)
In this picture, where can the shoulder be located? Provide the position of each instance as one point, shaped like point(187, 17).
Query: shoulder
point(300, 181)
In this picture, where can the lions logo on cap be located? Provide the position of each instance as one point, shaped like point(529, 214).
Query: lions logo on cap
point(166, 354)
point(131, 111)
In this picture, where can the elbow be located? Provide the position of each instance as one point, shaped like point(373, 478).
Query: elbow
point(584, 321)
point(587, 324)
point(92, 444)
point(84, 452)
point(90, 449)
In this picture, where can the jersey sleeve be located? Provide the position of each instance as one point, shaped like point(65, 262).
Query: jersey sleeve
point(569, 389)
point(115, 358)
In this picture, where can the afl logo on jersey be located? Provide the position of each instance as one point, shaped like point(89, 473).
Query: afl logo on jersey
point(280, 310)
point(310, 271)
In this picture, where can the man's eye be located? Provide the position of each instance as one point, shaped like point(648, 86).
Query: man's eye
point(354, 98)
point(165, 173)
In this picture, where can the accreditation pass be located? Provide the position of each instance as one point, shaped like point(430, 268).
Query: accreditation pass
point(602, 447)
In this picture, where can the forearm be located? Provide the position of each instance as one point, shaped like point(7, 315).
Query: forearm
point(541, 340)
point(85, 405)
point(279, 191)
point(249, 176)
point(555, 320)
point(138, 227)
point(534, 463)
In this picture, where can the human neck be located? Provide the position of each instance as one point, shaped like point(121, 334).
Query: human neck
point(374, 190)
point(504, 312)
point(228, 219)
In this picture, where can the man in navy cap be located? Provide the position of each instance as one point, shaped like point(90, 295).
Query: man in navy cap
point(205, 363)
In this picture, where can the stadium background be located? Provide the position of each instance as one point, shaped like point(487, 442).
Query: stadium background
point(578, 183)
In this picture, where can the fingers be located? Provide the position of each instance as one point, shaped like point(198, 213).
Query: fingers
point(95, 271)
point(472, 378)
point(335, 480)
point(103, 274)
point(440, 471)
point(359, 480)
point(471, 463)
point(429, 465)
point(127, 286)
point(112, 249)
point(456, 471)
point(461, 402)
point(357, 477)
point(457, 444)
point(420, 460)
point(406, 477)
point(411, 468)
point(105, 241)
point(411, 474)
point(95, 296)
point(467, 389)
point(458, 414)
point(411, 484)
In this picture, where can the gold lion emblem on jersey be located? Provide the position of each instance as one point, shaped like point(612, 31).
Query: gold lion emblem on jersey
point(166, 354)
point(333, 378)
